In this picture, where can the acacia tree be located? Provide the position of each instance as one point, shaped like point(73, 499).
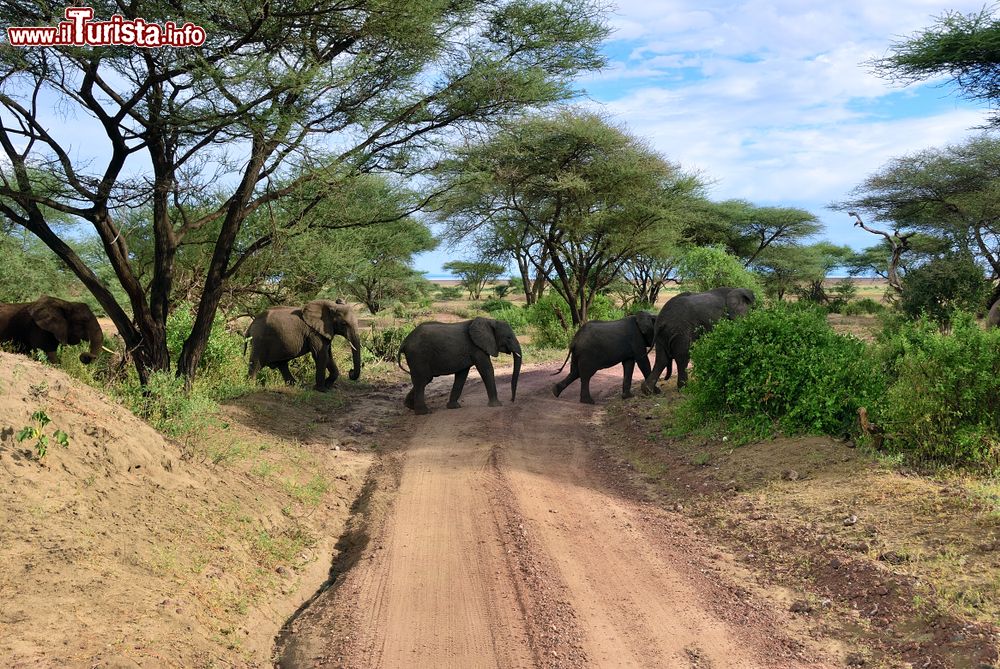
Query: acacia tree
point(245, 120)
point(951, 194)
point(582, 194)
point(964, 47)
point(475, 274)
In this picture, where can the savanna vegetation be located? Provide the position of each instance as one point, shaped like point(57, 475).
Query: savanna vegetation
point(593, 220)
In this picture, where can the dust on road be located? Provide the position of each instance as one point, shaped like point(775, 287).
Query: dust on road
point(504, 546)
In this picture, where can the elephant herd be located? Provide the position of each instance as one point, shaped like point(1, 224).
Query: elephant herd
point(440, 349)
point(281, 334)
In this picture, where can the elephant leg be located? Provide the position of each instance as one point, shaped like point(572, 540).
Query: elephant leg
point(331, 366)
point(585, 397)
point(285, 373)
point(416, 398)
point(627, 367)
point(682, 368)
point(485, 369)
point(642, 360)
point(574, 374)
point(408, 400)
point(254, 370)
point(52, 357)
point(322, 359)
point(456, 388)
point(662, 360)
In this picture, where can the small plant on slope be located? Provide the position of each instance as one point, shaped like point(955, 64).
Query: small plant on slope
point(36, 431)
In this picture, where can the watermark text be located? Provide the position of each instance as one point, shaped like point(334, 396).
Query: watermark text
point(79, 29)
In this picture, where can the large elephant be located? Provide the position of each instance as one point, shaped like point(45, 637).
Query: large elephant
point(601, 344)
point(683, 319)
point(281, 334)
point(438, 349)
point(48, 322)
point(993, 318)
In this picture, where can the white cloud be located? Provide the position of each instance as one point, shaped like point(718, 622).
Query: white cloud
point(772, 100)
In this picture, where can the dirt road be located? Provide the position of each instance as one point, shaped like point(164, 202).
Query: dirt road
point(505, 546)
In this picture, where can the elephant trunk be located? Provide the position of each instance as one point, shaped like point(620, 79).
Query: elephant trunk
point(355, 372)
point(517, 373)
point(96, 338)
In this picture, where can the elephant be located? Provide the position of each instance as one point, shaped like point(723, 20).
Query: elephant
point(437, 349)
point(993, 318)
point(601, 344)
point(682, 320)
point(281, 334)
point(48, 322)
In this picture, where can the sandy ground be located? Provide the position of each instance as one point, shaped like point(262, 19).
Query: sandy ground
point(126, 549)
point(502, 545)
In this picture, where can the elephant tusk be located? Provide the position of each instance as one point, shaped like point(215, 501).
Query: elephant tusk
point(517, 355)
point(107, 350)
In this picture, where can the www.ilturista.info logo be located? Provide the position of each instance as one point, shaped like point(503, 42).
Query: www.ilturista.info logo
point(79, 29)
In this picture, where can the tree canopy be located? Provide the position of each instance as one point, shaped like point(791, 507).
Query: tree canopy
point(568, 195)
point(963, 47)
point(938, 199)
point(205, 138)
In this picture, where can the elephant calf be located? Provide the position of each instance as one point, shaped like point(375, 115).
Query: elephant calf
point(438, 349)
point(602, 344)
point(282, 334)
point(48, 322)
point(683, 319)
point(993, 318)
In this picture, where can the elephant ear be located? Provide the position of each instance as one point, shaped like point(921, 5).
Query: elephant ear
point(315, 317)
point(645, 323)
point(482, 335)
point(50, 317)
point(739, 301)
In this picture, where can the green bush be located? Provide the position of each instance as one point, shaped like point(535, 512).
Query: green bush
point(383, 343)
point(222, 368)
point(552, 321)
point(708, 267)
point(516, 317)
point(944, 284)
point(553, 324)
point(447, 293)
point(494, 305)
point(781, 368)
point(943, 403)
point(863, 306)
point(165, 405)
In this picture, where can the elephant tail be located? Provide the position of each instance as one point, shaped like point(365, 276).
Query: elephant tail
point(399, 360)
point(559, 371)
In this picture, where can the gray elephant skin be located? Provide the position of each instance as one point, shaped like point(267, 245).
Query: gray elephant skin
point(48, 322)
point(993, 318)
point(440, 349)
point(602, 344)
point(282, 334)
point(685, 318)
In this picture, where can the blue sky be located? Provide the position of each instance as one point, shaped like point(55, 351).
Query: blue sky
point(771, 101)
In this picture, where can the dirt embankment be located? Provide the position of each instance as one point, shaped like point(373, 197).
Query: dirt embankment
point(125, 549)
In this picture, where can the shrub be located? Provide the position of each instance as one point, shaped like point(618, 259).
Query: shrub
point(553, 324)
point(943, 403)
point(383, 343)
point(781, 367)
point(165, 405)
point(552, 321)
point(501, 289)
point(447, 293)
point(707, 267)
point(944, 284)
point(863, 306)
point(514, 316)
point(495, 305)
